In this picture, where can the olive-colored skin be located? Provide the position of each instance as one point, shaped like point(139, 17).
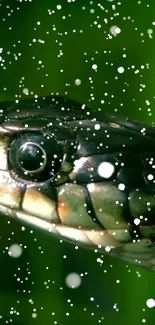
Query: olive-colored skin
point(87, 177)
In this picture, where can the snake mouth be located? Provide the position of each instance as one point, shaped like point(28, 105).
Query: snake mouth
point(140, 253)
point(95, 238)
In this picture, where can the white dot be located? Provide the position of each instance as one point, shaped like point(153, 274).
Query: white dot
point(92, 299)
point(150, 177)
point(115, 30)
point(107, 249)
point(150, 303)
point(91, 187)
point(34, 315)
point(78, 82)
point(106, 169)
point(136, 221)
point(15, 250)
point(120, 69)
point(118, 30)
point(59, 7)
point(97, 126)
point(94, 66)
point(73, 280)
point(150, 31)
point(25, 91)
point(121, 187)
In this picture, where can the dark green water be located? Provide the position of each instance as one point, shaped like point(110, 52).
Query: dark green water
point(46, 46)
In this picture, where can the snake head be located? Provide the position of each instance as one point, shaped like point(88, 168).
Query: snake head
point(87, 177)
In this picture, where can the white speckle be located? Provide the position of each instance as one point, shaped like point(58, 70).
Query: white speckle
point(143, 130)
point(92, 299)
point(59, 7)
point(147, 102)
point(91, 187)
point(34, 315)
point(136, 221)
point(115, 30)
point(150, 31)
point(73, 280)
point(15, 250)
point(97, 126)
point(7, 196)
point(79, 163)
point(150, 303)
point(120, 69)
point(78, 82)
point(150, 177)
point(41, 41)
point(25, 91)
point(106, 169)
point(94, 66)
point(99, 260)
point(121, 187)
point(107, 249)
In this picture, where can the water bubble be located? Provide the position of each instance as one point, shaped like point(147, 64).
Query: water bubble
point(78, 82)
point(15, 250)
point(150, 303)
point(73, 280)
point(115, 30)
point(120, 69)
point(94, 66)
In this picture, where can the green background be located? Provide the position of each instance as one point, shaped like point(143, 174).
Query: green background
point(44, 51)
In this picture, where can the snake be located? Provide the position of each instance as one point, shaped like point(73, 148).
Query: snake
point(83, 176)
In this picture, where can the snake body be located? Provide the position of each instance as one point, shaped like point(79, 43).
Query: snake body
point(87, 177)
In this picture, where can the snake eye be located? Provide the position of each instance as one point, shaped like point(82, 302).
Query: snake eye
point(34, 157)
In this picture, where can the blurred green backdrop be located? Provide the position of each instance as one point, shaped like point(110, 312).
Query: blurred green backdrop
point(101, 54)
